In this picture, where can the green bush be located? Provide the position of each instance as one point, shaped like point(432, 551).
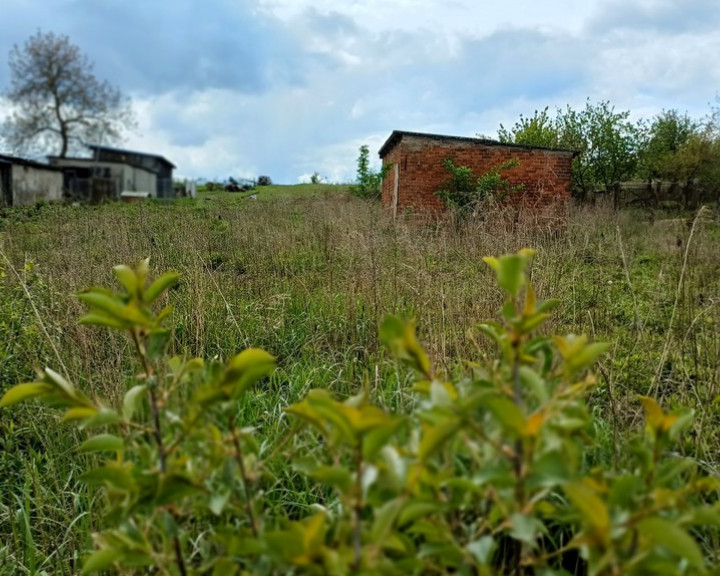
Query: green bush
point(465, 192)
point(486, 475)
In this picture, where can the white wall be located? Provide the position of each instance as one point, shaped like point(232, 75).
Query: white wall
point(139, 180)
point(31, 185)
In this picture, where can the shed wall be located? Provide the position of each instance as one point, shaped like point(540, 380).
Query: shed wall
point(139, 180)
point(123, 177)
point(31, 185)
point(545, 174)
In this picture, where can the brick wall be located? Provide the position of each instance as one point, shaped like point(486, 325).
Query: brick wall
point(545, 174)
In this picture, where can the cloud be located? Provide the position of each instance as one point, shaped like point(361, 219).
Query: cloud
point(290, 88)
point(659, 16)
point(151, 47)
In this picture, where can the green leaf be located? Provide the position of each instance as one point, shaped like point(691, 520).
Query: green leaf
point(510, 271)
point(550, 469)
point(161, 284)
point(102, 417)
point(113, 474)
point(132, 400)
point(225, 567)
point(101, 319)
point(440, 395)
point(366, 418)
point(174, 487)
point(314, 534)
point(245, 369)
point(414, 510)
point(24, 392)
point(110, 305)
point(57, 379)
point(533, 321)
point(115, 307)
point(706, 516)
point(79, 413)
point(218, 501)
point(654, 415)
point(102, 443)
point(329, 410)
point(376, 439)
point(591, 508)
point(507, 413)
point(309, 414)
point(165, 312)
point(587, 355)
point(392, 328)
point(673, 538)
point(335, 476)
point(546, 306)
point(670, 469)
point(436, 435)
point(482, 550)
point(526, 529)
point(534, 382)
point(400, 339)
point(385, 517)
point(157, 341)
point(493, 330)
point(126, 276)
point(624, 490)
point(101, 560)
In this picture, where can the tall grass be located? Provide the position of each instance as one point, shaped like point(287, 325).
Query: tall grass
point(309, 278)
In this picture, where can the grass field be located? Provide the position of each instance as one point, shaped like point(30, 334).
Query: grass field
point(308, 272)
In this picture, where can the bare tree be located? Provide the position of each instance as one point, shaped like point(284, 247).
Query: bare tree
point(56, 99)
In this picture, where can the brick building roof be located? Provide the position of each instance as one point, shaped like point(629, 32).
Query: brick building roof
point(397, 136)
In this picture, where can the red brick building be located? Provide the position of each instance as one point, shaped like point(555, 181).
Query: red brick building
point(418, 169)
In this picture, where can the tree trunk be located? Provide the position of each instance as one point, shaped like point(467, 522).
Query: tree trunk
point(64, 137)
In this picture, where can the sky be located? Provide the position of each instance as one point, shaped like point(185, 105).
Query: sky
point(289, 88)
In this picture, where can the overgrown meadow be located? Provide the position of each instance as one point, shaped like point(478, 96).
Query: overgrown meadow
point(308, 273)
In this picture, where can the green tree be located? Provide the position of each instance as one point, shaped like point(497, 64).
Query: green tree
point(606, 142)
point(672, 150)
point(57, 100)
point(667, 134)
point(368, 183)
point(538, 130)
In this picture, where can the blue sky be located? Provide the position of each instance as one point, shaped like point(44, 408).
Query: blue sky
point(291, 87)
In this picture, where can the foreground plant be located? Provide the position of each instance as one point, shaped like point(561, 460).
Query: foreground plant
point(179, 453)
point(488, 475)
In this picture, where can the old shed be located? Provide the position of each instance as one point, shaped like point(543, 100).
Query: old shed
point(111, 171)
point(25, 182)
point(417, 169)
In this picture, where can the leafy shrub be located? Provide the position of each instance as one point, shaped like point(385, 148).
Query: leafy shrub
point(487, 475)
point(368, 183)
point(464, 191)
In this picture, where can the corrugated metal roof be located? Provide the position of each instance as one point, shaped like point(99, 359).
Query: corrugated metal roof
point(129, 152)
point(9, 159)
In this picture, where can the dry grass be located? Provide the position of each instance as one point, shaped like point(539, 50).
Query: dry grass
point(310, 278)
